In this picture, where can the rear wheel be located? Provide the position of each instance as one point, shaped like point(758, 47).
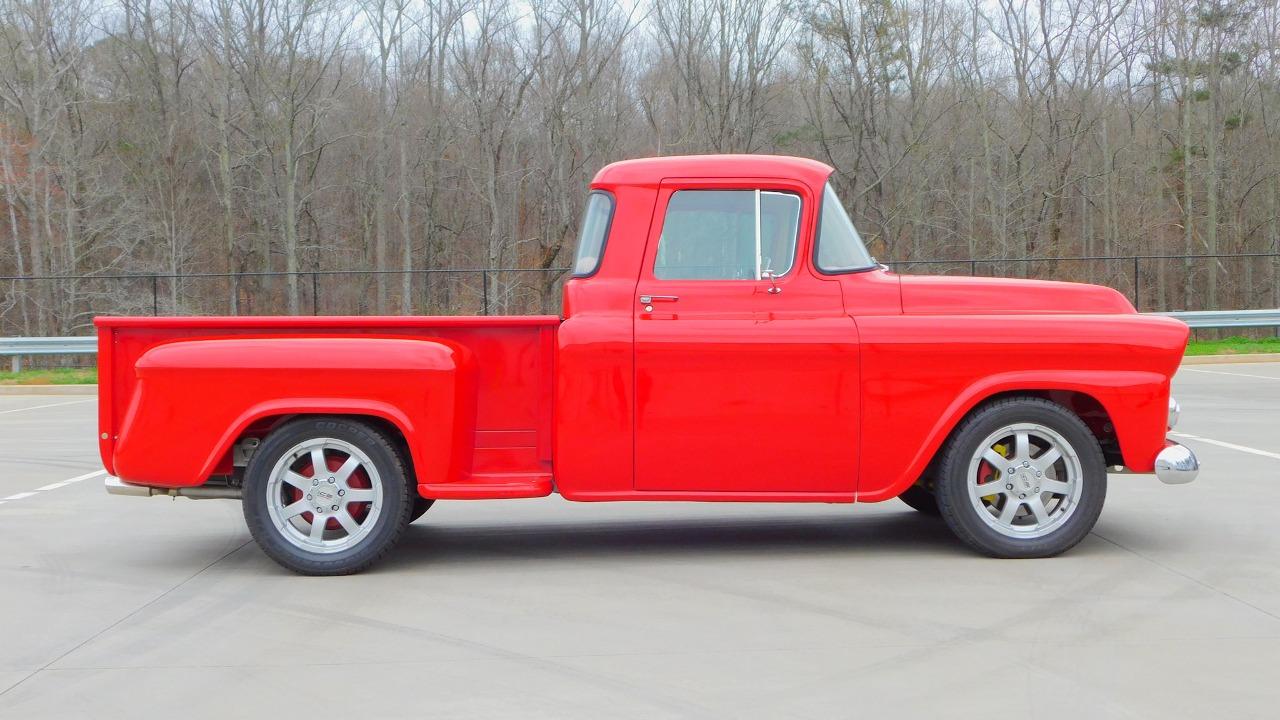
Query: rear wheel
point(326, 496)
point(1022, 478)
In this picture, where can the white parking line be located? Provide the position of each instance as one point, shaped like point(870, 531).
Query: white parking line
point(1219, 372)
point(38, 407)
point(53, 486)
point(1229, 446)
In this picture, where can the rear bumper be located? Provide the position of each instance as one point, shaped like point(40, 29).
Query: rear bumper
point(1176, 464)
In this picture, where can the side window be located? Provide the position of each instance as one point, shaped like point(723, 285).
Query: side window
point(840, 249)
point(728, 235)
point(596, 219)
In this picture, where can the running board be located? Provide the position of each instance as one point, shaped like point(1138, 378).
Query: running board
point(490, 486)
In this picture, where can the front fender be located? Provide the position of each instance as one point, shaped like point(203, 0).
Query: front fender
point(923, 374)
point(194, 398)
point(1135, 401)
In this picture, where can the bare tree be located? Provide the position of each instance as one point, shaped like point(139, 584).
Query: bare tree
point(493, 71)
point(725, 56)
point(171, 137)
point(578, 105)
point(294, 77)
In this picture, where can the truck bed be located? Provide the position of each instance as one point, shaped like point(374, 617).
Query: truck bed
point(513, 358)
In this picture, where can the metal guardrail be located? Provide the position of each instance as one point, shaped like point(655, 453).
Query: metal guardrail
point(18, 347)
point(1226, 318)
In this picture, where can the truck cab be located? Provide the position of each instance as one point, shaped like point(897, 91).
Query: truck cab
point(738, 369)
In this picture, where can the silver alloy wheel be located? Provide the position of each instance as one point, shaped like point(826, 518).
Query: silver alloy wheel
point(317, 508)
point(1032, 487)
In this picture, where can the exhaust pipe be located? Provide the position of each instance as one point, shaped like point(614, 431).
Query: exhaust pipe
point(116, 486)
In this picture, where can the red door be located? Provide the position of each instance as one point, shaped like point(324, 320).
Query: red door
point(743, 385)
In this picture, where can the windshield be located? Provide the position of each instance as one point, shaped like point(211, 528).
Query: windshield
point(840, 249)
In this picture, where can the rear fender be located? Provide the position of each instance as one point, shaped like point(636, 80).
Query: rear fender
point(194, 398)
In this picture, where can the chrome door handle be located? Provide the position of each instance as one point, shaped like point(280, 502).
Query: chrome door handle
point(650, 299)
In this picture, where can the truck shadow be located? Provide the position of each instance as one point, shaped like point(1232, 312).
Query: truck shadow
point(907, 533)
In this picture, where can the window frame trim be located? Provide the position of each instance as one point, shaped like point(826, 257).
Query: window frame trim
point(604, 242)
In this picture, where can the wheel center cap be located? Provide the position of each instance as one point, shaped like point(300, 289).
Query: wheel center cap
point(323, 496)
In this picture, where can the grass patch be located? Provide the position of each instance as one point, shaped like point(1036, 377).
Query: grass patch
point(1234, 346)
point(55, 376)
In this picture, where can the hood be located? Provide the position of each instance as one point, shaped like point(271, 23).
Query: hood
point(937, 295)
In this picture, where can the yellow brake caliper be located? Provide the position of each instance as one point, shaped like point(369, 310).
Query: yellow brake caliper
point(995, 477)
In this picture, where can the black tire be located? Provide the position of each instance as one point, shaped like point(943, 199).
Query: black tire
point(396, 506)
point(953, 491)
point(420, 507)
point(920, 498)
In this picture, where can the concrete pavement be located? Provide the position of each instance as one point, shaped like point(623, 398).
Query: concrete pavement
point(129, 607)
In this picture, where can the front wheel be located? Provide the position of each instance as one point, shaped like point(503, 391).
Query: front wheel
point(326, 496)
point(1022, 478)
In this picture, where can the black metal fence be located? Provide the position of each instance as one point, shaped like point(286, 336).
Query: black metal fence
point(66, 305)
point(1154, 283)
point(61, 305)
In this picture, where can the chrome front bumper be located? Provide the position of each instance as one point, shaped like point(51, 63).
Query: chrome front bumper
point(1176, 464)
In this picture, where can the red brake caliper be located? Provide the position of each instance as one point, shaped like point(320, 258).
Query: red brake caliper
point(987, 473)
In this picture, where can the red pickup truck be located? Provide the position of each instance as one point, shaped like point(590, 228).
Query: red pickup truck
point(726, 337)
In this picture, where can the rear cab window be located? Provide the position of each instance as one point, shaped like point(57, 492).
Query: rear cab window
point(593, 232)
point(728, 235)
